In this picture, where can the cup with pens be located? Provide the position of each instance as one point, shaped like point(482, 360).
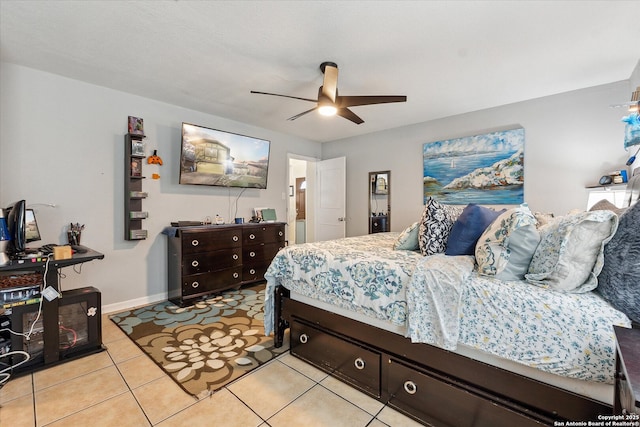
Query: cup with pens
point(74, 233)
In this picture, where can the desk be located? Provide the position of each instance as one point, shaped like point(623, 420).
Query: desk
point(50, 309)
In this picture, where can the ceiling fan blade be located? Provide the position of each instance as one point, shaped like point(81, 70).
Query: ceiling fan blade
point(284, 96)
point(330, 80)
point(302, 114)
point(352, 101)
point(349, 115)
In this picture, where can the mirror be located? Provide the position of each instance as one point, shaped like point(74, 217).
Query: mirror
point(379, 201)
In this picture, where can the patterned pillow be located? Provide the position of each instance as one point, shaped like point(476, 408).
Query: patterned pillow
point(468, 228)
point(570, 254)
point(435, 226)
point(505, 248)
point(408, 239)
point(619, 281)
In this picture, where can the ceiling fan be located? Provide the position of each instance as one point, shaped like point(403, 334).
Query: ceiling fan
point(330, 103)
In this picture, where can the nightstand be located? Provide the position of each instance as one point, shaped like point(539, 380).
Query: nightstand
point(627, 389)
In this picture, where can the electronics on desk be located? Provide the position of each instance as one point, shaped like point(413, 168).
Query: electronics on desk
point(23, 227)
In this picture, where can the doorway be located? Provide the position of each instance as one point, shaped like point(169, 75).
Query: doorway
point(318, 187)
point(299, 212)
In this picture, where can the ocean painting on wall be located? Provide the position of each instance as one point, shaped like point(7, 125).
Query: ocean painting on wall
point(483, 169)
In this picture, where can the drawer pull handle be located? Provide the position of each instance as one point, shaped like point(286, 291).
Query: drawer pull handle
point(194, 242)
point(359, 363)
point(235, 238)
point(304, 338)
point(280, 233)
point(252, 271)
point(236, 275)
point(410, 387)
point(235, 256)
point(195, 263)
point(252, 254)
point(252, 236)
point(195, 285)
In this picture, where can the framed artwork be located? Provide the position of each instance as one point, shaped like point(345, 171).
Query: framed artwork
point(135, 125)
point(136, 167)
point(482, 169)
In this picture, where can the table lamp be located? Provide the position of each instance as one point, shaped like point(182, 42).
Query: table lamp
point(5, 237)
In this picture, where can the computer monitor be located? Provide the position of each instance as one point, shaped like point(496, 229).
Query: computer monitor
point(31, 231)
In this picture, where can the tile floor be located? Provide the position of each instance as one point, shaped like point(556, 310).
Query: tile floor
point(123, 387)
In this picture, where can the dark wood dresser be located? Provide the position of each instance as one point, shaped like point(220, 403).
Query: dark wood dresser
point(627, 391)
point(208, 259)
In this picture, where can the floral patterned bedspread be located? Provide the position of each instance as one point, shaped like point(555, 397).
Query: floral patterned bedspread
point(442, 301)
point(562, 333)
point(363, 274)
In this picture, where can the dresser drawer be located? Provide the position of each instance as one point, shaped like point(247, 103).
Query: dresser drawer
point(257, 255)
point(203, 262)
point(203, 241)
point(208, 282)
point(263, 234)
point(346, 360)
point(441, 403)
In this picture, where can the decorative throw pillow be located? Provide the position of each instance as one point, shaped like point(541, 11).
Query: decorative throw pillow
point(570, 254)
point(408, 239)
point(435, 226)
point(468, 228)
point(606, 205)
point(543, 218)
point(619, 281)
point(506, 247)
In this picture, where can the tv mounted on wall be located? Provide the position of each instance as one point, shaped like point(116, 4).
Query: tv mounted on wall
point(225, 159)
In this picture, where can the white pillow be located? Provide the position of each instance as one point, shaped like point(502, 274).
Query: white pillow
point(570, 254)
point(506, 247)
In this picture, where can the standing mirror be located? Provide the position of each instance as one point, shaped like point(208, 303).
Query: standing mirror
point(379, 201)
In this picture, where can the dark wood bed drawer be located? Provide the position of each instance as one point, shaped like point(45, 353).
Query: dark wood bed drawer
point(196, 284)
point(441, 403)
point(211, 261)
point(345, 360)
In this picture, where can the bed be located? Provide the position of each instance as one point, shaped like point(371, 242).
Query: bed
point(437, 340)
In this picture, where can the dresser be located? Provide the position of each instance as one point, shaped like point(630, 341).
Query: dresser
point(208, 259)
point(627, 388)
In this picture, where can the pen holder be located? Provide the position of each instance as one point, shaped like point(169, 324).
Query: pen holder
point(73, 238)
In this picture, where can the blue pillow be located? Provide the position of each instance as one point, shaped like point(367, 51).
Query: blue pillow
point(468, 228)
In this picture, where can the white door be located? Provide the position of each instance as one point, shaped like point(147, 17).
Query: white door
point(331, 199)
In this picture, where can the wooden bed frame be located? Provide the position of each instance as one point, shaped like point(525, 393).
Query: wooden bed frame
point(429, 384)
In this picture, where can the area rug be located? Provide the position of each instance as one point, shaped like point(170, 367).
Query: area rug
point(205, 346)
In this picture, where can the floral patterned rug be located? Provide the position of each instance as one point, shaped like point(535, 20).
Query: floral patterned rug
point(205, 346)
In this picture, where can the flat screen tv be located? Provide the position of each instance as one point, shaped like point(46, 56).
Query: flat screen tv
point(225, 159)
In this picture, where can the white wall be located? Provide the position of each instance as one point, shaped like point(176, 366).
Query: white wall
point(571, 140)
point(62, 142)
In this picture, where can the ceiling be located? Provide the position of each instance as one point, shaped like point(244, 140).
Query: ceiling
point(447, 57)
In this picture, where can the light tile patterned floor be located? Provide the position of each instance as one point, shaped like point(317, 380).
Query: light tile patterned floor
point(122, 387)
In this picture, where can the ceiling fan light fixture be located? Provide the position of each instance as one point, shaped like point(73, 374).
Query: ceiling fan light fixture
point(327, 110)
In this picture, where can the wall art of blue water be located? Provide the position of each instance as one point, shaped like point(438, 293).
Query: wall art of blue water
point(444, 161)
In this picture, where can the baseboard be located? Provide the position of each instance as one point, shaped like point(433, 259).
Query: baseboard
point(133, 303)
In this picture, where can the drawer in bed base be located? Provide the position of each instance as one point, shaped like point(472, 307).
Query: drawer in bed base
point(438, 401)
point(343, 359)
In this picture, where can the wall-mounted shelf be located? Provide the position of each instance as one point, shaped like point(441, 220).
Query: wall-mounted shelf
point(134, 155)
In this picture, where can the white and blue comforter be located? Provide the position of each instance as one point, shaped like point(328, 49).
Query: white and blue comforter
point(442, 301)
